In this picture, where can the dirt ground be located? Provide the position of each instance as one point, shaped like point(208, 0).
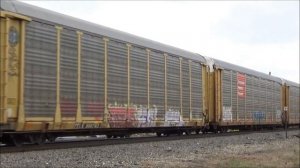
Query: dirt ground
point(281, 154)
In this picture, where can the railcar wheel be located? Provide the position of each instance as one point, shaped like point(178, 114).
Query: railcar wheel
point(39, 139)
point(17, 140)
point(159, 134)
point(51, 138)
point(12, 140)
point(187, 132)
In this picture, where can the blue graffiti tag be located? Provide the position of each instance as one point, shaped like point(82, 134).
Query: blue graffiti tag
point(258, 115)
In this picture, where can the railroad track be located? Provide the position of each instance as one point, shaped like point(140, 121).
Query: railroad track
point(105, 142)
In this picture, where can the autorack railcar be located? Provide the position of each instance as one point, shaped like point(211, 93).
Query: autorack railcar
point(64, 76)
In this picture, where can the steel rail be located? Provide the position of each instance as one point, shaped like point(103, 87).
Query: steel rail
point(118, 141)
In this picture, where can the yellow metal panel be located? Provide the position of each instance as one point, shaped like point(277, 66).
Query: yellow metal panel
point(57, 117)
point(4, 68)
point(78, 113)
point(21, 113)
point(41, 119)
point(14, 15)
point(12, 67)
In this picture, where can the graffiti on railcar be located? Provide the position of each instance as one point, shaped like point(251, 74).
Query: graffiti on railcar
point(173, 117)
point(120, 115)
point(13, 62)
point(259, 115)
point(278, 114)
point(227, 113)
point(145, 117)
point(132, 116)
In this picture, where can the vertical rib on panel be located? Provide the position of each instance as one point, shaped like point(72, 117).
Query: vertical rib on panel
point(157, 73)
point(138, 81)
point(69, 65)
point(249, 97)
point(256, 102)
point(173, 107)
point(227, 96)
point(294, 104)
point(117, 80)
point(196, 90)
point(263, 101)
point(185, 89)
point(92, 76)
point(277, 100)
point(234, 95)
point(241, 104)
point(40, 70)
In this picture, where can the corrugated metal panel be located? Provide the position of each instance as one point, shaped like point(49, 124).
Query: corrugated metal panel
point(173, 76)
point(256, 103)
point(277, 100)
point(138, 79)
point(227, 94)
point(249, 97)
point(269, 97)
point(92, 76)
point(185, 89)
point(242, 104)
point(262, 98)
point(234, 95)
point(157, 78)
point(117, 79)
point(294, 103)
point(40, 70)
point(197, 110)
point(68, 73)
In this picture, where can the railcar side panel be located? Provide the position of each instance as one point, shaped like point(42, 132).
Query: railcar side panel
point(248, 99)
point(196, 90)
point(185, 89)
point(157, 83)
point(68, 74)
point(40, 70)
point(294, 104)
point(92, 77)
point(117, 84)
point(173, 90)
point(143, 114)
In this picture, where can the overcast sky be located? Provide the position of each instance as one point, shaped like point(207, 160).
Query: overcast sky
point(263, 36)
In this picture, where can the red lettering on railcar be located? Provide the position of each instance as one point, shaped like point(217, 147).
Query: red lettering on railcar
point(241, 85)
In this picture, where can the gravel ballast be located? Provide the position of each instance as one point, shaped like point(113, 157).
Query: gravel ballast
point(204, 152)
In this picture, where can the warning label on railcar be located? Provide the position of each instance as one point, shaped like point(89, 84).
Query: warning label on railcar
point(241, 85)
point(227, 113)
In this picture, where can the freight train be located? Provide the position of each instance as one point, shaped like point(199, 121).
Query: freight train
point(61, 76)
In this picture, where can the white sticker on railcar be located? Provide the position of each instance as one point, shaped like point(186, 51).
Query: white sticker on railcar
point(9, 112)
point(227, 113)
point(278, 114)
